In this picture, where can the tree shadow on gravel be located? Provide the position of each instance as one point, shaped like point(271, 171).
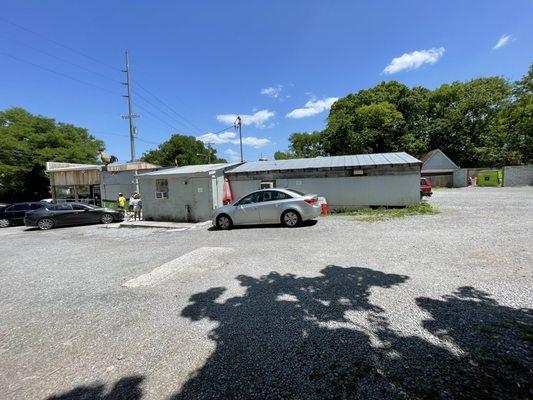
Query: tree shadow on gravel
point(127, 388)
point(290, 337)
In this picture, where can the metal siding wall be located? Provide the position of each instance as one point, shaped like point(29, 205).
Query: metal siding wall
point(349, 192)
point(460, 178)
point(114, 183)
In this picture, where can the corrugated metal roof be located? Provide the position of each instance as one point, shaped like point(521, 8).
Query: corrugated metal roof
point(190, 170)
point(358, 160)
point(61, 167)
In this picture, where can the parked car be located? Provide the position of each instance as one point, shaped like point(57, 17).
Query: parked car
point(13, 214)
point(61, 214)
point(269, 206)
point(425, 187)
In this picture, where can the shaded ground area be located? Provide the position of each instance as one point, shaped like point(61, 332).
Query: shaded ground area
point(291, 337)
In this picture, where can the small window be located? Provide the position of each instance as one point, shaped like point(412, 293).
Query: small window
point(21, 207)
point(161, 189)
point(80, 207)
point(9, 208)
point(297, 192)
point(268, 184)
point(36, 206)
point(61, 207)
point(250, 199)
point(273, 195)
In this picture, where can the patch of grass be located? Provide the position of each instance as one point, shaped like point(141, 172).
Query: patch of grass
point(383, 214)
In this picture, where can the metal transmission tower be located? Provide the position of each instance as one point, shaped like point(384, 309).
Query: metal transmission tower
point(131, 115)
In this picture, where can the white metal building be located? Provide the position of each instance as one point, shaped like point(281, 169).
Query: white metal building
point(182, 194)
point(347, 182)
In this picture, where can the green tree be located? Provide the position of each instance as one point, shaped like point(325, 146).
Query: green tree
point(181, 150)
point(283, 155)
point(387, 117)
point(510, 139)
point(461, 118)
point(28, 141)
point(306, 145)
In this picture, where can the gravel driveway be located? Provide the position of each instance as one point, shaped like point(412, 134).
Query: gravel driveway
point(435, 306)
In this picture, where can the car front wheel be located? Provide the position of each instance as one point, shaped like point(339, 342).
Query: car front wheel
point(4, 223)
point(45, 224)
point(224, 222)
point(290, 219)
point(106, 219)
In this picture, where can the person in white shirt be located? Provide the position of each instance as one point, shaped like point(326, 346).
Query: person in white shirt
point(130, 208)
point(136, 202)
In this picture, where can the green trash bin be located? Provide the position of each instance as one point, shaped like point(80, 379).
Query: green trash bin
point(489, 178)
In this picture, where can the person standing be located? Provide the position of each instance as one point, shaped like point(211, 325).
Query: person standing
point(121, 201)
point(130, 202)
point(136, 207)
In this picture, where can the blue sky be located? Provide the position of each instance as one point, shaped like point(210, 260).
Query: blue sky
point(280, 63)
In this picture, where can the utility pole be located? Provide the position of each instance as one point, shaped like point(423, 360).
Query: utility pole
point(209, 153)
point(131, 115)
point(238, 123)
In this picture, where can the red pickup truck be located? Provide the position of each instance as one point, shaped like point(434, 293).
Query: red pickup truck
point(425, 187)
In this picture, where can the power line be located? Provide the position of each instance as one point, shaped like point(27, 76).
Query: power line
point(160, 110)
point(59, 44)
point(183, 118)
point(64, 61)
point(97, 73)
point(170, 108)
point(58, 73)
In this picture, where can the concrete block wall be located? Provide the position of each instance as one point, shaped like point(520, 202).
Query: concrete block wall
point(521, 175)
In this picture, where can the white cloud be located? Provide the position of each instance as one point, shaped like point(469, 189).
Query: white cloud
point(503, 41)
point(414, 60)
point(272, 91)
point(221, 138)
point(253, 141)
point(258, 119)
point(231, 137)
point(313, 107)
point(232, 155)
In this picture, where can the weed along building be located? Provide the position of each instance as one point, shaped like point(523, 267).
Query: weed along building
point(347, 182)
point(183, 194)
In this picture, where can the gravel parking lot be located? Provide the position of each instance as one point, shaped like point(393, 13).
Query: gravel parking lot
point(435, 306)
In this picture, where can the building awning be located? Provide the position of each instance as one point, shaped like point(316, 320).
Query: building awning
point(52, 166)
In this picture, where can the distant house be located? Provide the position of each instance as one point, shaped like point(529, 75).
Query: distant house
point(438, 167)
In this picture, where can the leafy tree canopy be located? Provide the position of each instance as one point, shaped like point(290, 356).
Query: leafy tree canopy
point(182, 150)
point(28, 141)
point(483, 122)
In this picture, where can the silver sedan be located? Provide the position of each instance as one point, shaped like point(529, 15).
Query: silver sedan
point(269, 206)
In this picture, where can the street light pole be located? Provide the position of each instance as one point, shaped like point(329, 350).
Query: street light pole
point(238, 123)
